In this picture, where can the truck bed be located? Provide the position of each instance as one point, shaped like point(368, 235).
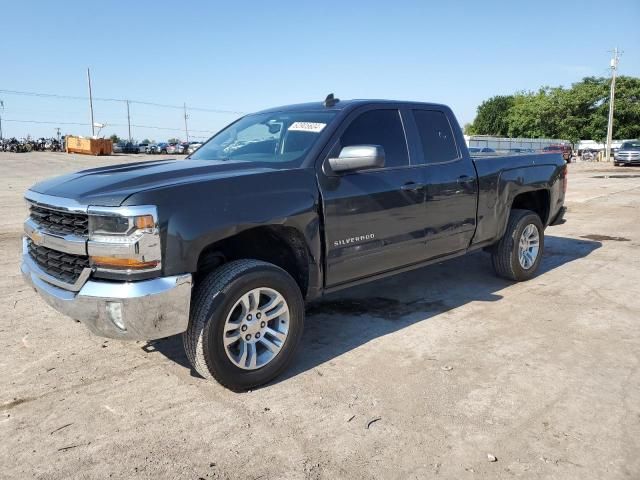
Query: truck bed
point(498, 179)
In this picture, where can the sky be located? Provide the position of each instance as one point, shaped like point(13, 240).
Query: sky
point(241, 56)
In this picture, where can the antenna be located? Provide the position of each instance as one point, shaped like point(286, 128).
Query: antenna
point(330, 101)
point(186, 129)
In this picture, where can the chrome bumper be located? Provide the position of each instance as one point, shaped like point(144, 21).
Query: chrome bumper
point(144, 310)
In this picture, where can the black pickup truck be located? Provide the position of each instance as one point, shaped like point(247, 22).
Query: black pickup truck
point(277, 209)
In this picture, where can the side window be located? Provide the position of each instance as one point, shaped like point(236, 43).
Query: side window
point(379, 127)
point(436, 136)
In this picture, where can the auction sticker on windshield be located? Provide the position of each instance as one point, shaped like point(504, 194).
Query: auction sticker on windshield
point(307, 127)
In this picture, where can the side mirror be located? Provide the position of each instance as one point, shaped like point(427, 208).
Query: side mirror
point(358, 157)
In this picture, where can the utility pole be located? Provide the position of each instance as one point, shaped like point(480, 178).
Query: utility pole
point(186, 129)
point(612, 96)
point(93, 128)
point(1, 110)
point(129, 121)
point(58, 133)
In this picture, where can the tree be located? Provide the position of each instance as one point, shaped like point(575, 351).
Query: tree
point(173, 140)
point(533, 114)
point(626, 123)
point(115, 138)
point(578, 112)
point(492, 116)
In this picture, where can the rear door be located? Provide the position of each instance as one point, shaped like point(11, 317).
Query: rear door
point(373, 219)
point(451, 182)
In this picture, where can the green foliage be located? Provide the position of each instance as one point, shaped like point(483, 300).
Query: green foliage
point(468, 129)
point(579, 112)
point(173, 140)
point(115, 138)
point(627, 112)
point(491, 118)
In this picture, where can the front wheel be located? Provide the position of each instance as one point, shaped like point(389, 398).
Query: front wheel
point(246, 321)
point(518, 254)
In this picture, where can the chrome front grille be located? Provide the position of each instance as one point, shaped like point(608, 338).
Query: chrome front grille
point(62, 266)
point(59, 222)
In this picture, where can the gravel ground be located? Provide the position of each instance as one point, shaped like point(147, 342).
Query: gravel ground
point(425, 375)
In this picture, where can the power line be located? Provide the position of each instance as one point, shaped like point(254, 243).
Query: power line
point(44, 122)
point(104, 99)
point(154, 127)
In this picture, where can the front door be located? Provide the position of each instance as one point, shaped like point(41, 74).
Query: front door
point(374, 219)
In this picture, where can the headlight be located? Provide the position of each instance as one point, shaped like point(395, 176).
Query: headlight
point(124, 239)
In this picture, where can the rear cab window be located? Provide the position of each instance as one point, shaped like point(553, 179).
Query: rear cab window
point(436, 136)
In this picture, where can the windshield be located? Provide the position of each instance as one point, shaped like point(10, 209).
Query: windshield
point(630, 146)
point(281, 139)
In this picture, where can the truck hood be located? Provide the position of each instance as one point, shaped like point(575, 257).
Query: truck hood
point(111, 185)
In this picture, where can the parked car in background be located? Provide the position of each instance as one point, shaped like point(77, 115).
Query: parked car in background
point(150, 148)
point(160, 147)
point(481, 151)
point(173, 148)
point(193, 146)
point(142, 147)
point(125, 147)
point(562, 148)
point(627, 154)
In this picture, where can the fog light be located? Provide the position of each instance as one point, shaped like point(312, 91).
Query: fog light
point(114, 310)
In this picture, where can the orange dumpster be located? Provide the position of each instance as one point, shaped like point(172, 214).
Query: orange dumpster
point(89, 146)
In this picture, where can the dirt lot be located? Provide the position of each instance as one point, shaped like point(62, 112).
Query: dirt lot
point(419, 376)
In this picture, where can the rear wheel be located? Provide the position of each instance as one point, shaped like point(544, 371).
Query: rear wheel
point(246, 321)
point(518, 254)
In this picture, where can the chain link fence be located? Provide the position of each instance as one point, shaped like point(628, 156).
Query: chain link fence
point(504, 144)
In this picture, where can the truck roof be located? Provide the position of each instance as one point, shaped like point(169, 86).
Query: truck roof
point(345, 104)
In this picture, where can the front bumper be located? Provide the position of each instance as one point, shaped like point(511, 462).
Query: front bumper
point(144, 310)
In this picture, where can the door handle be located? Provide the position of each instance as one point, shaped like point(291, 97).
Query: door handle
point(412, 187)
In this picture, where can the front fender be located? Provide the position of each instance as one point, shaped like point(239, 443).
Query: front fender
point(196, 215)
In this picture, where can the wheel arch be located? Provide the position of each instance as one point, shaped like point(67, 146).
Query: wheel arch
point(538, 201)
point(284, 246)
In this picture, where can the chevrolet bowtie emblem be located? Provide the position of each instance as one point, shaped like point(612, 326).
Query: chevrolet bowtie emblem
point(35, 237)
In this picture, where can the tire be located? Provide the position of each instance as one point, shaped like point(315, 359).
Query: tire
point(506, 253)
point(217, 299)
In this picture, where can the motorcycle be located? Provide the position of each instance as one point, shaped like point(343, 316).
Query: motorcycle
point(588, 156)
